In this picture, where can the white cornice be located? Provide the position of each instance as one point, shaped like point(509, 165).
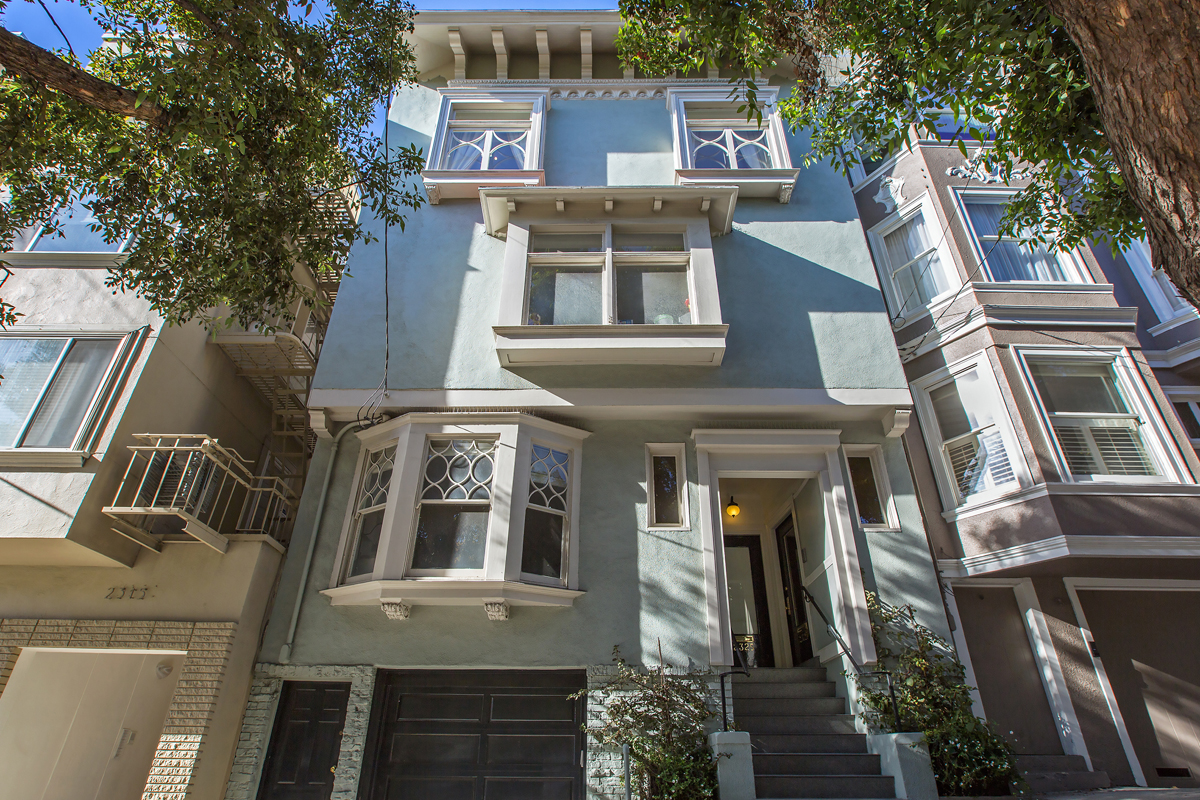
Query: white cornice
point(1055, 547)
point(1178, 355)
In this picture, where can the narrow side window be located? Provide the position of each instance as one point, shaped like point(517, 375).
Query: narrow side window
point(666, 487)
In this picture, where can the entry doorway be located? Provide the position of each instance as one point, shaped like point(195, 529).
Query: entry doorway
point(768, 617)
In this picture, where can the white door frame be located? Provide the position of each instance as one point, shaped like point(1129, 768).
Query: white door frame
point(1110, 697)
point(776, 453)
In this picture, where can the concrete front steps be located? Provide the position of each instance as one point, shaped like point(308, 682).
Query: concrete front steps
point(804, 743)
point(1046, 774)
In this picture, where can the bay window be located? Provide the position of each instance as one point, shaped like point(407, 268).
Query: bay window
point(461, 509)
point(1098, 415)
point(1006, 257)
point(917, 268)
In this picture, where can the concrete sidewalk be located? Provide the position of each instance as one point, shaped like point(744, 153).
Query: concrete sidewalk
point(1129, 793)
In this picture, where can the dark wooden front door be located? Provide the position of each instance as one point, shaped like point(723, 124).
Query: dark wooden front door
point(475, 735)
point(793, 597)
point(305, 743)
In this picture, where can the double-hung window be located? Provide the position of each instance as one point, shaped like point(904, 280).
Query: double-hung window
point(1164, 298)
point(971, 436)
point(1104, 425)
point(1006, 257)
point(73, 229)
point(714, 142)
point(455, 509)
point(612, 275)
point(911, 249)
point(486, 138)
point(54, 390)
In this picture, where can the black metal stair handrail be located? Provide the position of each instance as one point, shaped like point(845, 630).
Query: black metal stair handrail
point(833, 631)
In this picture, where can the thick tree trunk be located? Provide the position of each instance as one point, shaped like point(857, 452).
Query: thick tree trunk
point(1143, 60)
point(22, 57)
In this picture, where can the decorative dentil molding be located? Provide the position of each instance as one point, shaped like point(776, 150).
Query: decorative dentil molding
point(890, 194)
point(396, 610)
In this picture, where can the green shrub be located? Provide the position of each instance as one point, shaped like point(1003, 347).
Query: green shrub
point(661, 716)
point(969, 758)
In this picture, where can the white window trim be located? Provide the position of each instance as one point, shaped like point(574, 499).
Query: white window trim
point(700, 343)
point(1143, 271)
point(500, 580)
point(1155, 434)
point(778, 181)
point(873, 452)
point(100, 409)
point(465, 183)
point(679, 451)
point(933, 436)
point(1071, 260)
point(876, 236)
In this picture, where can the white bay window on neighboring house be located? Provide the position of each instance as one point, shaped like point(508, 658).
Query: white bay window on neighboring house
point(461, 509)
point(1098, 413)
point(486, 138)
point(1169, 306)
point(970, 436)
point(911, 250)
point(55, 393)
point(1007, 258)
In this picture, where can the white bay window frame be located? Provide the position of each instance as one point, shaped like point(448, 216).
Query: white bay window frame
point(500, 579)
point(776, 181)
point(1155, 435)
point(441, 182)
point(897, 299)
point(1070, 261)
point(989, 393)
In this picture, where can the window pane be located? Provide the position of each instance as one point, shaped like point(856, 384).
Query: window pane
point(751, 149)
point(75, 225)
point(451, 536)
point(635, 242)
point(985, 217)
point(377, 478)
point(1103, 447)
point(979, 463)
point(559, 296)
point(62, 410)
point(486, 111)
point(508, 150)
point(367, 544)
point(708, 150)
point(666, 490)
point(26, 365)
point(548, 478)
point(1080, 387)
point(961, 406)
point(1188, 418)
point(919, 276)
point(866, 493)
point(459, 469)
point(542, 551)
point(566, 243)
point(653, 295)
point(464, 150)
point(1009, 260)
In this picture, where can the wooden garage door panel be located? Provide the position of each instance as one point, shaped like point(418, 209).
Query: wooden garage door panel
point(477, 735)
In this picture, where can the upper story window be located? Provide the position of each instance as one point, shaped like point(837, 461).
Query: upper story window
point(951, 127)
point(870, 489)
point(54, 392)
point(72, 230)
point(1188, 412)
point(911, 249)
point(970, 435)
point(1164, 298)
point(1101, 419)
point(450, 508)
point(626, 275)
point(1007, 258)
point(715, 143)
point(486, 138)
point(612, 275)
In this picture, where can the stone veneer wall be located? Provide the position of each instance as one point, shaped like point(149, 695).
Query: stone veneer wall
point(605, 775)
point(207, 644)
point(259, 720)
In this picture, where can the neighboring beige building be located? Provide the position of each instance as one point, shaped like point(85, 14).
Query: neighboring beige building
point(135, 569)
point(1058, 485)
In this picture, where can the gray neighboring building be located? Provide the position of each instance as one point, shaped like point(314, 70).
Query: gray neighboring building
point(640, 392)
point(1055, 400)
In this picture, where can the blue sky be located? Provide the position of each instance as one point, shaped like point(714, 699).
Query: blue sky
point(30, 19)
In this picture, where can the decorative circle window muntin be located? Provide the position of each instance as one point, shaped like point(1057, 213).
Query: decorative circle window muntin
point(459, 469)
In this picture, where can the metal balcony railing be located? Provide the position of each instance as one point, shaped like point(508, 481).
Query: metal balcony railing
point(187, 487)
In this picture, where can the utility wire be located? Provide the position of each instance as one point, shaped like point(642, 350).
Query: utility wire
point(368, 413)
point(53, 21)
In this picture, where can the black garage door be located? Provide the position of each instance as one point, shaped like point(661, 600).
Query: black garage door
point(475, 735)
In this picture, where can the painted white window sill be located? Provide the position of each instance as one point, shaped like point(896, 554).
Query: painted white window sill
point(1181, 319)
point(449, 592)
point(564, 345)
point(776, 183)
point(466, 183)
point(29, 457)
